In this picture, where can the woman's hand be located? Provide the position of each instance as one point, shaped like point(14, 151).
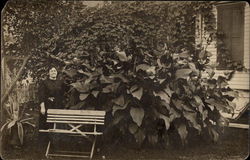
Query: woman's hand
point(42, 108)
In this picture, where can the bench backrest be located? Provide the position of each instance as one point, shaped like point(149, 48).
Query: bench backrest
point(76, 116)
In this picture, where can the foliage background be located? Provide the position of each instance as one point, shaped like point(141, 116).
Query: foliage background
point(136, 60)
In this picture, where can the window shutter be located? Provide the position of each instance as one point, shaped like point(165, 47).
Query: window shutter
point(231, 22)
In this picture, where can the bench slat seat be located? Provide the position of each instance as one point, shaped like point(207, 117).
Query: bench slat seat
point(64, 131)
point(76, 112)
point(75, 121)
point(74, 116)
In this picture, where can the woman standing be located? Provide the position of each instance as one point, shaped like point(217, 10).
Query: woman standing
point(51, 95)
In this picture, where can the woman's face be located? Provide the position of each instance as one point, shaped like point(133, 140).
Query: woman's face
point(53, 72)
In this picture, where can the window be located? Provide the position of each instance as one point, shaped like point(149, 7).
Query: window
point(231, 24)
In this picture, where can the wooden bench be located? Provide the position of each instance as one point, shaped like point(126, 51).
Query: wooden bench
point(75, 123)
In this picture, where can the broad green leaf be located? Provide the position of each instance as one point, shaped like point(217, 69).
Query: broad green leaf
point(166, 120)
point(139, 136)
point(204, 115)
point(87, 66)
point(159, 63)
point(106, 79)
point(114, 61)
point(192, 117)
point(211, 107)
point(85, 73)
point(202, 54)
point(182, 130)
point(168, 91)
point(138, 93)
point(81, 87)
point(182, 73)
point(173, 114)
point(118, 107)
point(95, 93)
point(143, 67)
point(133, 88)
point(178, 104)
point(184, 54)
point(187, 108)
point(163, 96)
point(234, 94)
point(165, 104)
point(132, 128)
point(161, 80)
point(151, 70)
point(83, 96)
point(71, 73)
point(231, 104)
point(20, 132)
point(200, 108)
point(137, 115)
point(111, 88)
point(88, 81)
point(198, 100)
point(219, 106)
point(222, 82)
point(119, 101)
point(122, 56)
point(118, 116)
point(210, 72)
point(192, 66)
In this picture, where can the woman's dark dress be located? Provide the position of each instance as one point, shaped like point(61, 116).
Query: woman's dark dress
point(49, 89)
point(51, 92)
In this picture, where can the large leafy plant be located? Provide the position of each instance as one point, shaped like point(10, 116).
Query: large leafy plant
point(154, 73)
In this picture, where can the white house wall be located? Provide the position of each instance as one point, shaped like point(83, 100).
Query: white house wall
point(240, 79)
point(247, 36)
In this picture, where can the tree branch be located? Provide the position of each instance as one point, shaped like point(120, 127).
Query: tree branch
point(6, 94)
point(58, 59)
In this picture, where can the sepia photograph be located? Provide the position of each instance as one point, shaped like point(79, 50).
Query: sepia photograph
point(123, 80)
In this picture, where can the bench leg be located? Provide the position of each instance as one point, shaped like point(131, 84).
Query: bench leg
point(93, 148)
point(47, 150)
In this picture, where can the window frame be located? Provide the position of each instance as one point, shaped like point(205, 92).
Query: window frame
point(219, 6)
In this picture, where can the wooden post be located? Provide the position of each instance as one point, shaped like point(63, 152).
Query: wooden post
point(6, 94)
point(2, 62)
point(2, 83)
point(201, 27)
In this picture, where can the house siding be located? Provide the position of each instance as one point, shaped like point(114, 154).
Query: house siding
point(240, 80)
point(247, 36)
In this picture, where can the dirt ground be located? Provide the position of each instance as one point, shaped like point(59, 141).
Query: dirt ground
point(232, 145)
